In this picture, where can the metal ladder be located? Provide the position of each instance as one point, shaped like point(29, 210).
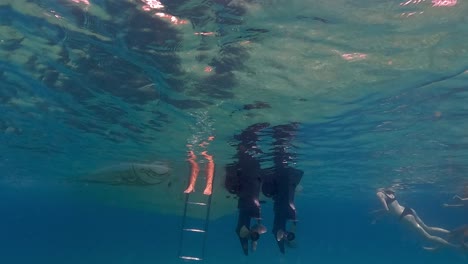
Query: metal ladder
point(194, 230)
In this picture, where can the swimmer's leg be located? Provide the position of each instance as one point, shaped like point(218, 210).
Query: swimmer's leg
point(438, 240)
point(429, 228)
point(209, 173)
point(194, 169)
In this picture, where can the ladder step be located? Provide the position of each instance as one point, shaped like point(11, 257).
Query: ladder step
point(195, 203)
point(190, 258)
point(196, 227)
point(194, 230)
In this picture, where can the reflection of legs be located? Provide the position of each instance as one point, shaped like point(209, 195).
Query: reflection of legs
point(209, 173)
point(429, 228)
point(412, 220)
point(194, 169)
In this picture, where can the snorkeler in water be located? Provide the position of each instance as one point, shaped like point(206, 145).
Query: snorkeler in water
point(409, 216)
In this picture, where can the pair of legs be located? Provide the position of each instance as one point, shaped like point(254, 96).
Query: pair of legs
point(460, 202)
point(423, 229)
point(195, 169)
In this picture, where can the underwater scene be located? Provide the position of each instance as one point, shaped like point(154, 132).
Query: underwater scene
point(233, 131)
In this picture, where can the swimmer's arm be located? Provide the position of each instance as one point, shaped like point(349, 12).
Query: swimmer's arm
point(456, 197)
point(382, 200)
point(453, 205)
point(377, 214)
point(431, 248)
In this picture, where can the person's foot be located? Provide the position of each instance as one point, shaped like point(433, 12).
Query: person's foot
point(431, 248)
point(207, 191)
point(189, 189)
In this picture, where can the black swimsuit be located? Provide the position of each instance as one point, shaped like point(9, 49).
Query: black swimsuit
point(389, 199)
point(406, 211)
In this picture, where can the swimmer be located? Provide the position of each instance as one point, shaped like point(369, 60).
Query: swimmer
point(409, 216)
point(460, 202)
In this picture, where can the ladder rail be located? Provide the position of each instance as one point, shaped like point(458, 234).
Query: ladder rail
point(184, 217)
point(207, 220)
point(184, 228)
point(207, 205)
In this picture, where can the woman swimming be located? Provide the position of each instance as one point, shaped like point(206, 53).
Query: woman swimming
point(409, 216)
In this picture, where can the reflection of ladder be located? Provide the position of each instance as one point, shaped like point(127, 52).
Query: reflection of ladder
point(194, 230)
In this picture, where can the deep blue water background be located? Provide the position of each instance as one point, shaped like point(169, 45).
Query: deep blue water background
point(43, 226)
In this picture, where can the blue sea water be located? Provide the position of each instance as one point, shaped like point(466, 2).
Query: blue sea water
point(373, 94)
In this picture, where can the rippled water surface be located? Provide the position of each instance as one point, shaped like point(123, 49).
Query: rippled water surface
point(368, 94)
